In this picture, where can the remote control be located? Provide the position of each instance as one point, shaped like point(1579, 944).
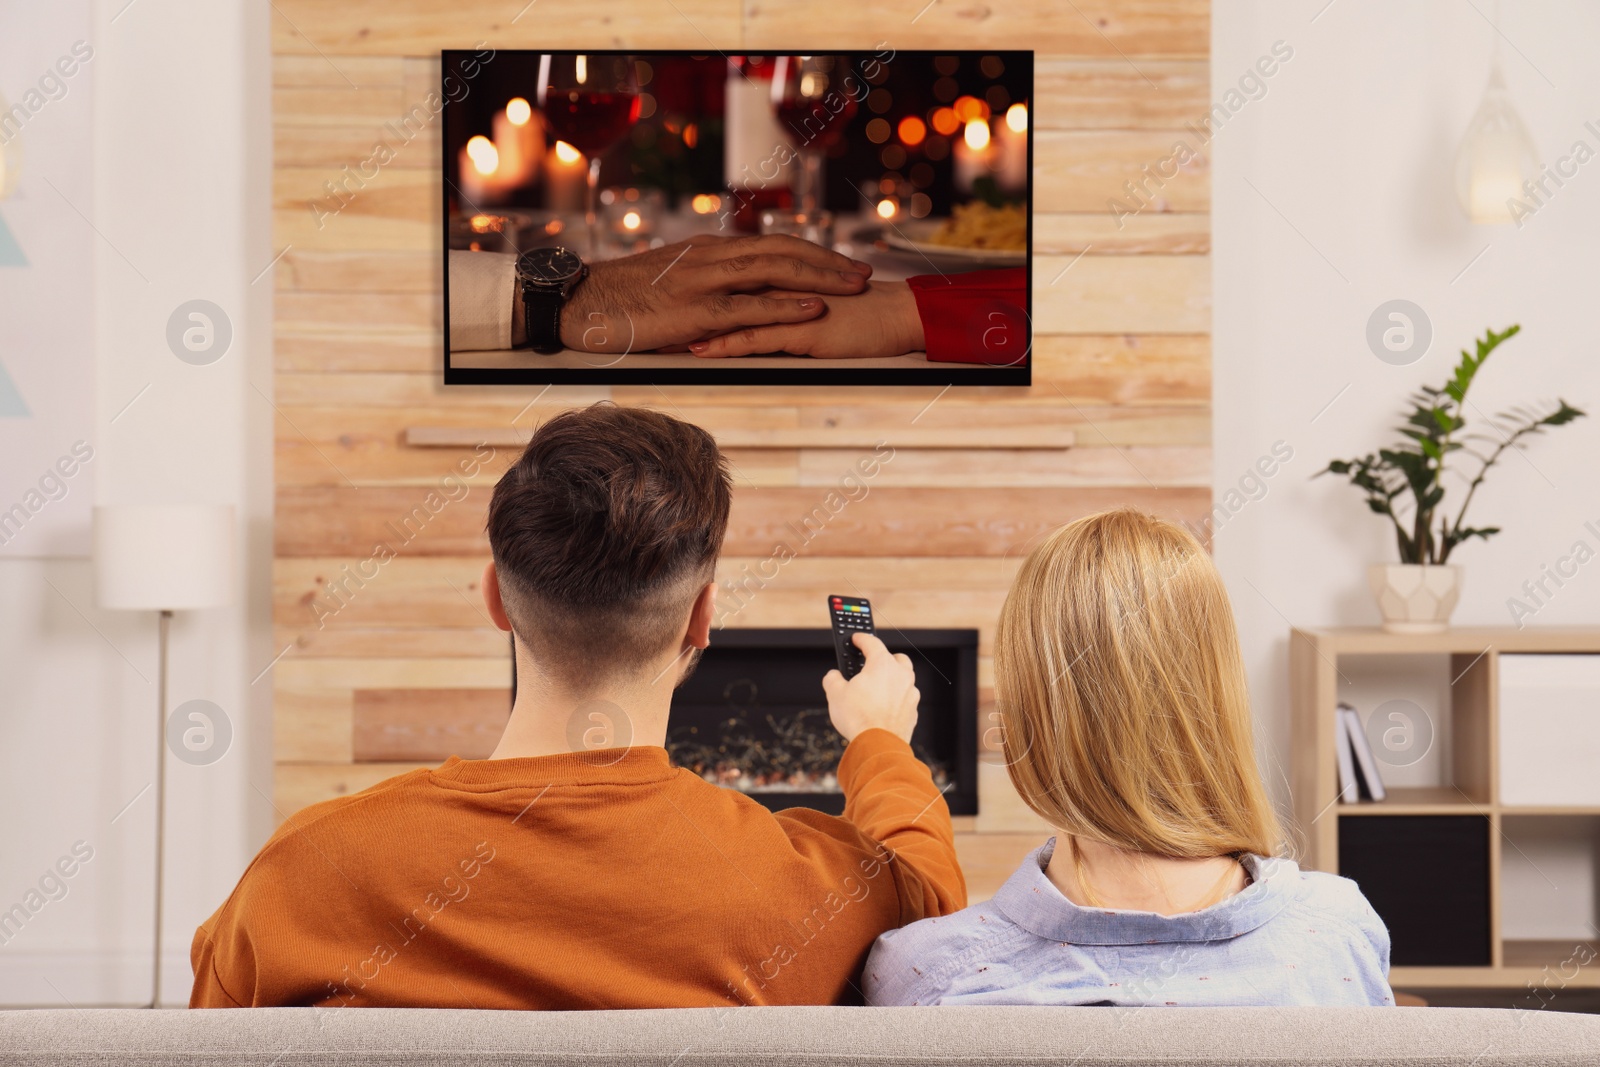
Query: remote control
point(851, 615)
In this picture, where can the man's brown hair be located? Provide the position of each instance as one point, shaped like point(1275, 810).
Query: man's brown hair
point(603, 533)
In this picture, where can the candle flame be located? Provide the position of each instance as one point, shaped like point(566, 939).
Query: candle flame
point(519, 111)
point(706, 203)
point(484, 155)
point(887, 209)
point(1017, 117)
point(977, 135)
point(631, 221)
point(566, 153)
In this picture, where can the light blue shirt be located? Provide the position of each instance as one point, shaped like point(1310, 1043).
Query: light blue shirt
point(1290, 937)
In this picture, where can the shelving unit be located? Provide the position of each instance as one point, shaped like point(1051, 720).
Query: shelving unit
point(1471, 792)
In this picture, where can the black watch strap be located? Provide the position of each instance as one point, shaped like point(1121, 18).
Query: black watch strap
point(542, 316)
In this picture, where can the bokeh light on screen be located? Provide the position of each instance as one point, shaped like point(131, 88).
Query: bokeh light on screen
point(970, 107)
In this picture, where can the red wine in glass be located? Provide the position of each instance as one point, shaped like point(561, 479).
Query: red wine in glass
point(814, 97)
point(590, 102)
point(589, 120)
point(813, 124)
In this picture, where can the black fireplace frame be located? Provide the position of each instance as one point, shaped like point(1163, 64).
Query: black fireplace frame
point(962, 797)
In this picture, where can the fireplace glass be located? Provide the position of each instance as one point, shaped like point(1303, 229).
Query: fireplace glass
point(753, 717)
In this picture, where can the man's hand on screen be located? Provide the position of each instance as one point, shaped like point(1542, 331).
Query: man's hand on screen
point(672, 296)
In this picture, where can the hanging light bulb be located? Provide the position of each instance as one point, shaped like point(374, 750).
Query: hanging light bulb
point(1496, 156)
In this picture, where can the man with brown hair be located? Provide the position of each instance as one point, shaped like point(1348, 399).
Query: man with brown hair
point(576, 867)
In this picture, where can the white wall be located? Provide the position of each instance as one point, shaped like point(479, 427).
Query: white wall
point(1332, 194)
point(182, 206)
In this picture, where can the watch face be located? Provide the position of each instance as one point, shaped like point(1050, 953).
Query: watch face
point(548, 266)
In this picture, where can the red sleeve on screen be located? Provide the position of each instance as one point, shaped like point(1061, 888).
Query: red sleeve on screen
point(977, 317)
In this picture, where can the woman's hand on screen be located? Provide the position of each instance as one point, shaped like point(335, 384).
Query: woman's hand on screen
point(881, 321)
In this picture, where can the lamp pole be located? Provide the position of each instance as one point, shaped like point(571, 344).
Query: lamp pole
point(165, 617)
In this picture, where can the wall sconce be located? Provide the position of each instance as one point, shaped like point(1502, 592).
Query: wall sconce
point(1496, 156)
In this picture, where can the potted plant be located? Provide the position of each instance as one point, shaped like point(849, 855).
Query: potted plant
point(1405, 483)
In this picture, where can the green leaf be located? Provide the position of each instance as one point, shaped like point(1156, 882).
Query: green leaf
point(1562, 415)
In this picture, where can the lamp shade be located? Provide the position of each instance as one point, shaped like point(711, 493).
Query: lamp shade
point(163, 557)
point(1496, 160)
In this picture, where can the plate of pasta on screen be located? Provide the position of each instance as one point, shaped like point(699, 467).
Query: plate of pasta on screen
point(978, 233)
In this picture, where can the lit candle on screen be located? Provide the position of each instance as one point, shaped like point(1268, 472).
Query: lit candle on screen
point(519, 136)
point(973, 154)
point(566, 178)
point(478, 166)
point(1011, 164)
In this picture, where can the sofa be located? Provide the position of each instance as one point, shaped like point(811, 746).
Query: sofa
point(771, 1037)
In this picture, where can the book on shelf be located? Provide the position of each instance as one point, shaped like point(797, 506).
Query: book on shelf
point(1349, 792)
point(1366, 765)
point(1358, 770)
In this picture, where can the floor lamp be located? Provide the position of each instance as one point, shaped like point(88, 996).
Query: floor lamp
point(163, 558)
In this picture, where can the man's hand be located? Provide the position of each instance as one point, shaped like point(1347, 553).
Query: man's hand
point(701, 287)
point(883, 695)
point(881, 321)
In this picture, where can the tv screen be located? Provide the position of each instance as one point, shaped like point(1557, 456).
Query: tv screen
point(694, 218)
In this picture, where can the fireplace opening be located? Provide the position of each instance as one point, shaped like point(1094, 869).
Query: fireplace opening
point(753, 716)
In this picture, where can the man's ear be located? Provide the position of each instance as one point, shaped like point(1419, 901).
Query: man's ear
point(702, 615)
point(491, 597)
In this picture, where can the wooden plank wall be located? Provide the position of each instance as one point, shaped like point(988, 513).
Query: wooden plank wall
point(1123, 358)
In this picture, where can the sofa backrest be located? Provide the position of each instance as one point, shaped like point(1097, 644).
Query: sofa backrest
point(776, 1037)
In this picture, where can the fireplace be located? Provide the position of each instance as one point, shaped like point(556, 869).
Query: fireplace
point(752, 717)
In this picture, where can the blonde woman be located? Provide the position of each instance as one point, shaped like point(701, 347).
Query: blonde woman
point(1127, 728)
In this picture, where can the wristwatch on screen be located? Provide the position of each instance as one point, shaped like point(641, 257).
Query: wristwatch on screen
point(545, 279)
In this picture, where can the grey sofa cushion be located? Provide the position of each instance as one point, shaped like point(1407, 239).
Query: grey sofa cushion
point(770, 1037)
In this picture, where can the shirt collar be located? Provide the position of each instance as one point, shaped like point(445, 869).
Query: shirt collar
point(1031, 900)
point(605, 766)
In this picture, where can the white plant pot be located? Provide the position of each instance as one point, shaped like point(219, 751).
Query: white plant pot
point(1415, 598)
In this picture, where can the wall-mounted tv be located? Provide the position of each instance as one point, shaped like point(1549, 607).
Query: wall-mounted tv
point(857, 218)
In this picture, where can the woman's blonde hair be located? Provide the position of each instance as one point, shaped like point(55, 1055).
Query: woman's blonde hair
point(1122, 693)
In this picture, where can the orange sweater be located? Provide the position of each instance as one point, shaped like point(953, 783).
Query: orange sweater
point(562, 882)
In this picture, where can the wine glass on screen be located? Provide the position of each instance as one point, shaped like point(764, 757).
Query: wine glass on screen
point(590, 102)
point(814, 105)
